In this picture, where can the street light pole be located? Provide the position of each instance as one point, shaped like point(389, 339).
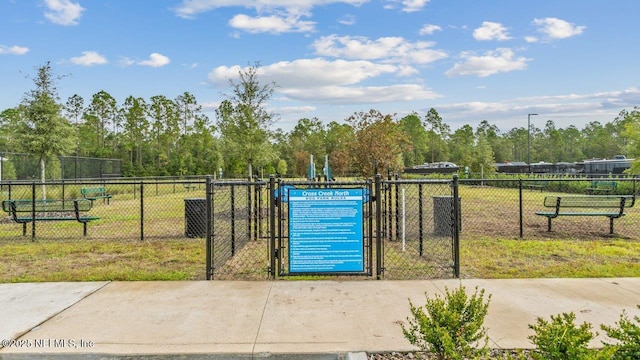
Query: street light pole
point(529, 140)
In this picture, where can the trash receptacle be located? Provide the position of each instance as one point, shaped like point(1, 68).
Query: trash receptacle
point(195, 217)
point(443, 215)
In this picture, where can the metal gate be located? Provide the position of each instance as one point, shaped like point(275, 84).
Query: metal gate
point(420, 227)
point(410, 228)
point(284, 248)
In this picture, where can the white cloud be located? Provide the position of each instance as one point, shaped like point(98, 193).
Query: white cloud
point(347, 19)
point(491, 31)
point(362, 94)
point(322, 81)
point(191, 8)
point(309, 72)
point(271, 24)
point(558, 29)
point(429, 29)
point(406, 5)
point(413, 5)
point(155, 60)
point(89, 58)
point(390, 49)
point(531, 39)
point(13, 50)
point(63, 12)
point(492, 62)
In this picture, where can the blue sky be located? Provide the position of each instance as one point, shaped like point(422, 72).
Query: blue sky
point(570, 61)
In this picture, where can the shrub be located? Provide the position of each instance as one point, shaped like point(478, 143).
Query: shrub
point(450, 327)
point(627, 335)
point(561, 339)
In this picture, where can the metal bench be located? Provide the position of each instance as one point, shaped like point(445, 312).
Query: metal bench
point(95, 193)
point(611, 206)
point(29, 211)
point(601, 187)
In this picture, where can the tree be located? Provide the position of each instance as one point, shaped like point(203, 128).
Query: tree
point(100, 113)
point(438, 133)
point(378, 138)
point(412, 126)
point(243, 121)
point(340, 140)
point(39, 127)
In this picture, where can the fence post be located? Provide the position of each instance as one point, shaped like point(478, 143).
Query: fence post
point(456, 228)
point(208, 229)
point(378, 228)
point(420, 228)
point(249, 209)
point(33, 211)
point(233, 220)
point(272, 226)
point(520, 205)
point(141, 210)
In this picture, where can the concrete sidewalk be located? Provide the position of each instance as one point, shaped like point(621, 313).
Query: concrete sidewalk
point(279, 319)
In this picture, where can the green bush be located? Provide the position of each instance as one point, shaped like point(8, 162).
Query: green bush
point(450, 327)
point(561, 339)
point(627, 335)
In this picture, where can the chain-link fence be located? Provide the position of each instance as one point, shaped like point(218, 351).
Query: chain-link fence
point(17, 166)
point(411, 228)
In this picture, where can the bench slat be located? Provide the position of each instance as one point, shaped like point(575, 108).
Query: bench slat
point(69, 210)
point(615, 203)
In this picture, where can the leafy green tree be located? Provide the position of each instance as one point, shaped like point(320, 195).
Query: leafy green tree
point(500, 146)
point(243, 122)
point(632, 133)
point(135, 131)
point(438, 133)
point(39, 127)
point(412, 126)
point(101, 113)
point(379, 138)
point(339, 140)
point(463, 141)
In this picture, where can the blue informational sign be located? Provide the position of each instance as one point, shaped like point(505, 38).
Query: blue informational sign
point(326, 232)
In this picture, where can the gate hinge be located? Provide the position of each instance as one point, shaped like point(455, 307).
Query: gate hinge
point(276, 254)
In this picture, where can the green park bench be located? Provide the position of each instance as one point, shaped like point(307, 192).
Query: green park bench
point(29, 211)
point(611, 206)
point(601, 187)
point(95, 193)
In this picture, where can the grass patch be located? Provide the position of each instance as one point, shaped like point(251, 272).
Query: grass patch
point(505, 258)
point(98, 261)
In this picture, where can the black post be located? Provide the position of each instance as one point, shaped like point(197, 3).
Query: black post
point(370, 220)
point(397, 212)
point(456, 228)
point(33, 211)
point(378, 228)
point(141, 210)
point(272, 226)
point(233, 220)
point(209, 267)
point(249, 209)
point(389, 232)
point(520, 200)
point(420, 210)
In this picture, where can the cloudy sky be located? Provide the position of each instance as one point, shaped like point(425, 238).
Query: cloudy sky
point(570, 61)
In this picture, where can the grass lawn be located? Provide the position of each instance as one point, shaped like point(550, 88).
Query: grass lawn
point(185, 259)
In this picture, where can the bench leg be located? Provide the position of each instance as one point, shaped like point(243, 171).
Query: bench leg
point(84, 224)
point(610, 225)
point(548, 224)
point(24, 229)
